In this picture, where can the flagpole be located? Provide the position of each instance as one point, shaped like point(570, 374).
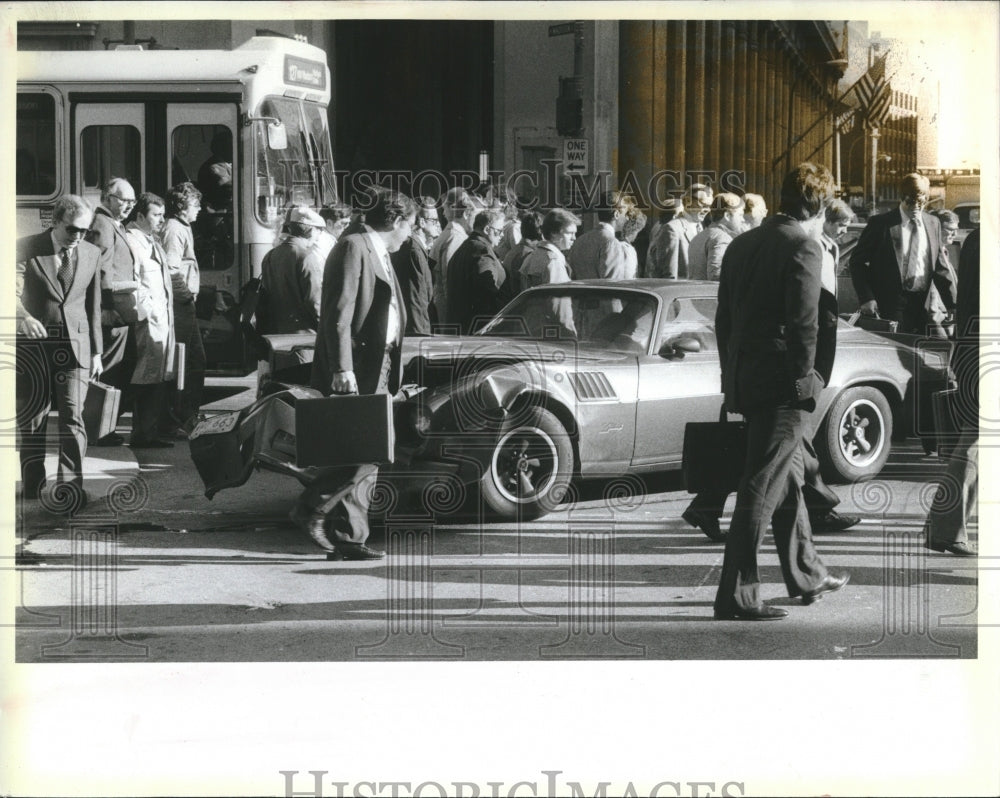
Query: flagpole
point(819, 119)
point(874, 137)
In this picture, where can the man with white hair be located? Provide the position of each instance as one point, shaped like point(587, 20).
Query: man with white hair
point(59, 343)
point(119, 287)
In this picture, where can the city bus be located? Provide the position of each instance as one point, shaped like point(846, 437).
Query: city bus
point(248, 126)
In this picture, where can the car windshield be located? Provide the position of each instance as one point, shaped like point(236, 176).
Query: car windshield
point(612, 320)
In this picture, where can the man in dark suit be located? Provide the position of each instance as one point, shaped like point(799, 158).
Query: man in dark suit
point(770, 340)
point(476, 279)
point(413, 269)
point(955, 501)
point(898, 256)
point(358, 349)
point(119, 284)
point(59, 343)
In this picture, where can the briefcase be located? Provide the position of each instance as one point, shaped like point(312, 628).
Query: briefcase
point(344, 430)
point(100, 410)
point(872, 323)
point(714, 455)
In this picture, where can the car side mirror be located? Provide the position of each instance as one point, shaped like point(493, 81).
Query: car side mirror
point(277, 136)
point(688, 344)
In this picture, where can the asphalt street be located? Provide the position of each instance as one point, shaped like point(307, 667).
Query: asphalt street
point(160, 573)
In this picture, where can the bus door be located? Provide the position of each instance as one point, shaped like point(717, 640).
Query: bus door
point(108, 143)
point(200, 144)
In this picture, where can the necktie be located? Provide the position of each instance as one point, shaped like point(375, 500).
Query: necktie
point(913, 256)
point(65, 273)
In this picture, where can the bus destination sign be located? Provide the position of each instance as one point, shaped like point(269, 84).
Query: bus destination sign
point(303, 72)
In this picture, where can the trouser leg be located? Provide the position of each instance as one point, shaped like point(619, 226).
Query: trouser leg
point(149, 400)
point(70, 394)
point(33, 397)
point(955, 500)
point(773, 437)
point(816, 493)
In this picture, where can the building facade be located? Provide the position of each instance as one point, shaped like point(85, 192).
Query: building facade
point(653, 104)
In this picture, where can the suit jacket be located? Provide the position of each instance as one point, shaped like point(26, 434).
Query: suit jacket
point(292, 278)
point(669, 252)
point(706, 251)
point(878, 257)
point(413, 271)
point(767, 322)
point(597, 254)
point(354, 317)
point(119, 278)
point(475, 282)
point(39, 294)
point(965, 358)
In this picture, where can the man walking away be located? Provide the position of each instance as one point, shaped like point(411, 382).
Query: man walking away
point(767, 328)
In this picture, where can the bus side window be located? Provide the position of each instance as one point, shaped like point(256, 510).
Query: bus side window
point(203, 155)
point(36, 145)
point(110, 151)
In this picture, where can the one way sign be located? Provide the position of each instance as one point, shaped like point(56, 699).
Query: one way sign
point(576, 156)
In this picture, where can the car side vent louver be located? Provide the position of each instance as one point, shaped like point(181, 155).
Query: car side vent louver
point(592, 386)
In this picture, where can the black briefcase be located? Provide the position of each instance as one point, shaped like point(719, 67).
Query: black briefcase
point(100, 410)
point(714, 455)
point(344, 430)
point(872, 323)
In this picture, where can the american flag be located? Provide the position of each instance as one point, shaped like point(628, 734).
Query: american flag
point(878, 111)
point(870, 86)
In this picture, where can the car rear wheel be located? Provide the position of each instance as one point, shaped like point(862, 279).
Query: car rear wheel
point(855, 438)
point(530, 466)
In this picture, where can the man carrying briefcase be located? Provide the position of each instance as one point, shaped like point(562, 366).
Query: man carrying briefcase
point(358, 348)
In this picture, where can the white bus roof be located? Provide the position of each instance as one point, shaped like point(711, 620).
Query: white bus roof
point(259, 55)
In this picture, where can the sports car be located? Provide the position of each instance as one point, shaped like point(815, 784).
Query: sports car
point(599, 378)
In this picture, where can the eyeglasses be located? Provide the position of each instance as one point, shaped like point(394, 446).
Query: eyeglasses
point(497, 231)
point(123, 200)
point(431, 219)
point(912, 199)
point(77, 231)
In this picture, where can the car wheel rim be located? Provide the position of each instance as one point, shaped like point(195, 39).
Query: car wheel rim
point(862, 433)
point(524, 465)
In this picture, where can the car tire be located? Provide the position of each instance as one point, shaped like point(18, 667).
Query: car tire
point(855, 438)
point(530, 466)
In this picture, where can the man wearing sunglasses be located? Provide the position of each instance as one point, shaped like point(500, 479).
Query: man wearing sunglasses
point(119, 286)
point(59, 344)
point(899, 255)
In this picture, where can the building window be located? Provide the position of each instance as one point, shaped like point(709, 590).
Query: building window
point(108, 151)
point(203, 155)
point(36, 145)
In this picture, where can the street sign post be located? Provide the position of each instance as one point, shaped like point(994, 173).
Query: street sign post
point(562, 29)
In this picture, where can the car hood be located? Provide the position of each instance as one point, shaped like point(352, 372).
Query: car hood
point(438, 360)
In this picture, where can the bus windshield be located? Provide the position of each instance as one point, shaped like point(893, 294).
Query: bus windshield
point(302, 172)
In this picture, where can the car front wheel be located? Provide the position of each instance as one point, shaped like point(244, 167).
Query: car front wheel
point(530, 466)
point(854, 440)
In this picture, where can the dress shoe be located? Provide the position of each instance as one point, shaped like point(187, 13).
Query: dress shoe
point(111, 439)
point(762, 612)
point(314, 525)
point(960, 549)
point(831, 582)
point(155, 443)
point(356, 551)
point(832, 521)
point(706, 522)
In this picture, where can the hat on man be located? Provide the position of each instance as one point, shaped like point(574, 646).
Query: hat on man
point(300, 214)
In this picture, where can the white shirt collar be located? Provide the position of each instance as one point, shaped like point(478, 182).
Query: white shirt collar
point(380, 248)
